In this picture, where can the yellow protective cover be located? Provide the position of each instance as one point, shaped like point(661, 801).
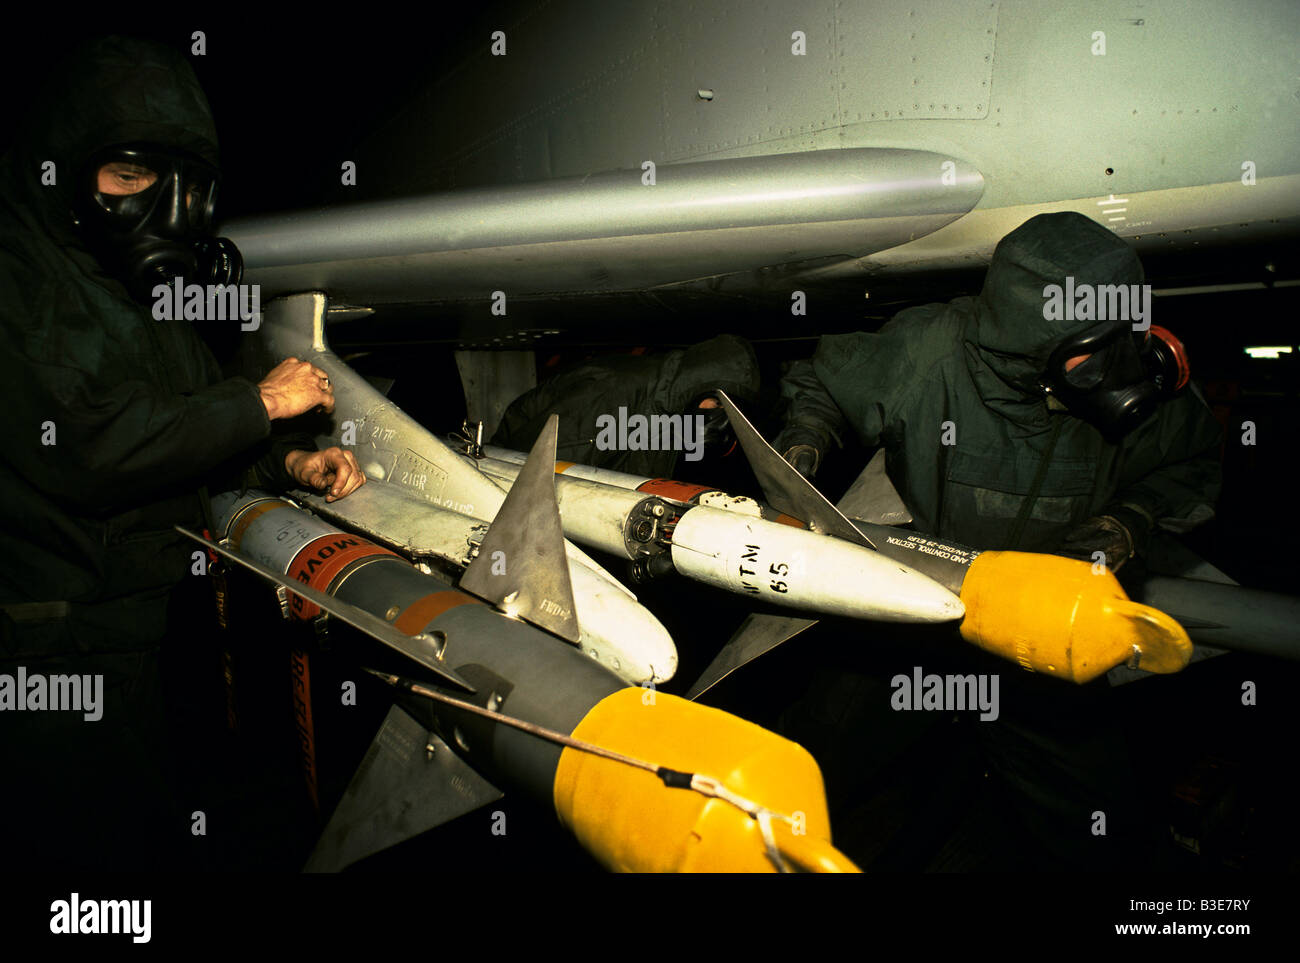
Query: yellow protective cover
point(632, 822)
point(1064, 617)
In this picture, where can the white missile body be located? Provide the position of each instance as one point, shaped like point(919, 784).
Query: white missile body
point(616, 630)
point(733, 549)
point(799, 569)
point(606, 476)
point(614, 520)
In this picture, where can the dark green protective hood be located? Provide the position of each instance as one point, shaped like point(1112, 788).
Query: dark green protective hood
point(114, 90)
point(656, 385)
point(724, 363)
point(1009, 333)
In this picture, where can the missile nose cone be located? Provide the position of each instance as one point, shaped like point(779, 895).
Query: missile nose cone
point(929, 602)
point(664, 672)
point(656, 651)
point(899, 593)
point(620, 633)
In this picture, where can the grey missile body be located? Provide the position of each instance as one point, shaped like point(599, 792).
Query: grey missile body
point(514, 667)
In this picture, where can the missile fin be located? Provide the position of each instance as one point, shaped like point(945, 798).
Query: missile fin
point(785, 489)
point(409, 646)
point(758, 634)
point(873, 497)
point(408, 783)
point(521, 566)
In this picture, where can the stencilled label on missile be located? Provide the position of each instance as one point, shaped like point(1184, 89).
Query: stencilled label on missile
point(749, 557)
point(928, 546)
point(306, 731)
point(397, 741)
point(413, 479)
point(277, 546)
point(295, 533)
point(758, 573)
point(553, 608)
point(303, 568)
point(421, 475)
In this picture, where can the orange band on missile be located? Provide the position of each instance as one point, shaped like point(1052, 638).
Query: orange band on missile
point(677, 491)
point(251, 515)
point(562, 466)
point(424, 610)
point(784, 519)
point(321, 559)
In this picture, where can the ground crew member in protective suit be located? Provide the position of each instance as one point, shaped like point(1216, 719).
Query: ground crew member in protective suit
point(1011, 423)
point(116, 421)
point(674, 383)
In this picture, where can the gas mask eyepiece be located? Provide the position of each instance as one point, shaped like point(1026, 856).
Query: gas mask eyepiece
point(1113, 377)
point(148, 212)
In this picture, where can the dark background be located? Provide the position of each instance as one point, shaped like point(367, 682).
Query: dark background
point(290, 95)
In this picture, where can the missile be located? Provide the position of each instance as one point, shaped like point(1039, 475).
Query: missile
point(502, 463)
point(493, 668)
point(1228, 616)
point(629, 820)
point(1219, 615)
point(1060, 616)
point(613, 627)
point(516, 654)
point(1046, 613)
point(738, 550)
point(496, 460)
point(605, 476)
point(1049, 614)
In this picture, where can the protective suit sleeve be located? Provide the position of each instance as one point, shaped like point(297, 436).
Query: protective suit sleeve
point(811, 415)
point(1173, 472)
point(264, 464)
point(861, 379)
point(522, 412)
point(268, 471)
point(97, 442)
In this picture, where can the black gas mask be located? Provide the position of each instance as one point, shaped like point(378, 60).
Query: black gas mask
point(1124, 377)
point(718, 438)
point(148, 213)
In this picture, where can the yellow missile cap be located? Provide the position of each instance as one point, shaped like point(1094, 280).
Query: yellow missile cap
point(1063, 617)
point(631, 822)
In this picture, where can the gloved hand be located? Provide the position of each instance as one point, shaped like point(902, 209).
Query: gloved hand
point(804, 458)
point(1119, 534)
point(801, 447)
